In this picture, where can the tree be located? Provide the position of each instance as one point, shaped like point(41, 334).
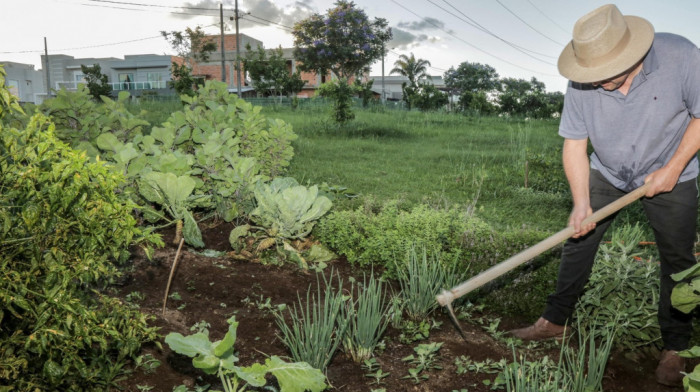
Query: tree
point(96, 81)
point(428, 97)
point(528, 98)
point(194, 47)
point(270, 75)
point(344, 41)
point(415, 70)
point(472, 77)
point(412, 68)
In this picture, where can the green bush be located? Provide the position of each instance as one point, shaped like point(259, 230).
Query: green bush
point(624, 284)
point(63, 231)
point(367, 237)
point(80, 120)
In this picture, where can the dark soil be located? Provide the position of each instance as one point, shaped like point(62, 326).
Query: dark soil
point(214, 288)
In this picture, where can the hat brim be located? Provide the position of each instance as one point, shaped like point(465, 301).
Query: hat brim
point(642, 35)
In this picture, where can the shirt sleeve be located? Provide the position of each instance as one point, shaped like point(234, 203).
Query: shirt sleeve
point(572, 125)
point(691, 86)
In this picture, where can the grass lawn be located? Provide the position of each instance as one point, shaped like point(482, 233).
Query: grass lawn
point(434, 158)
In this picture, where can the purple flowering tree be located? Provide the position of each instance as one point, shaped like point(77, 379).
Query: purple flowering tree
point(344, 41)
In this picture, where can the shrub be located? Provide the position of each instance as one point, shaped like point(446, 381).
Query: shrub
point(378, 238)
point(79, 120)
point(63, 230)
point(624, 284)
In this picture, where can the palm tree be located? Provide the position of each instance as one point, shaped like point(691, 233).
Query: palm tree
point(412, 68)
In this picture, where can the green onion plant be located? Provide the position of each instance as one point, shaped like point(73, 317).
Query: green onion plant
point(316, 325)
point(366, 316)
point(422, 278)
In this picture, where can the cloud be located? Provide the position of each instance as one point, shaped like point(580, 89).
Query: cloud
point(427, 23)
point(403, 39)
point(254, 13)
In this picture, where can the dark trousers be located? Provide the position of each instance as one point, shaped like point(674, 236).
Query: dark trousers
point(673, 217)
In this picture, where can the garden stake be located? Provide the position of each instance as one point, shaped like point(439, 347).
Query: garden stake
point(172, 271)
point(445, 298)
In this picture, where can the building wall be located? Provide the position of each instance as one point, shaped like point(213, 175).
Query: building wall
point(134, 73)
point(24, 82)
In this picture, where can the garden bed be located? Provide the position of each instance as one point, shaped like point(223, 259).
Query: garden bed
point(212, 289)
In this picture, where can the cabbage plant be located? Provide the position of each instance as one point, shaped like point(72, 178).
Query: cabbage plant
point(285, 212)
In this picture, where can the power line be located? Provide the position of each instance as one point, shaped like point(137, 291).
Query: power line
point(528, 25)
point(489, 32)
point(269, 22)
point(548, 18)
point(468, 43)
point(153, 5)
point(86, 47)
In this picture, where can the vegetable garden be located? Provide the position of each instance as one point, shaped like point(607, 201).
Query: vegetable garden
point(221, 246)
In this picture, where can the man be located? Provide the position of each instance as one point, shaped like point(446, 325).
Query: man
point(636, 96)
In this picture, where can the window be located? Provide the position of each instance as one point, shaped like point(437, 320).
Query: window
point(155, 80)
point(13, 87)
point(126, 81)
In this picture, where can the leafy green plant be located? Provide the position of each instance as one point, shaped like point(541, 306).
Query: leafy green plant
point(366, 318)
point(218, 358)
point(375, 371)
point(424, 360)
point(175, 195)
point(147, 363)
point(64, 230)
point(623, 286)
point(686, 297)
point(412, 331)
point(285, 211)
point(421, 279)
point(80, 120)
point(9, 104)
point(316, 327)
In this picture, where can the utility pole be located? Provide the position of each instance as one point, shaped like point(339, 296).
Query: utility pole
point(383, 94)
point(47, 70)
point(238, 55)
point(223, 61)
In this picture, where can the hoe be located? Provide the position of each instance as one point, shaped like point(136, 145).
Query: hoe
point(446, 297)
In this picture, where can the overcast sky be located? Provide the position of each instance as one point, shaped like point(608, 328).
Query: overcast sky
point(519, 38)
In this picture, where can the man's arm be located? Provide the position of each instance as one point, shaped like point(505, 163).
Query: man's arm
point(664, 179)
point(577, 169)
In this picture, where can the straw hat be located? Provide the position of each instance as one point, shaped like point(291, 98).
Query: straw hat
point(605, 44)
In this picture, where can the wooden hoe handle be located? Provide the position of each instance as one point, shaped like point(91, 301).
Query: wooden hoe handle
point(446, 297)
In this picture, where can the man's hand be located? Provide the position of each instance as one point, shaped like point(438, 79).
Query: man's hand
point(661, 181)
point(578, 214)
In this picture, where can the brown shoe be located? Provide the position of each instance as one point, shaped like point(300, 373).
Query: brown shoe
point(670, 367)
point(541, 330)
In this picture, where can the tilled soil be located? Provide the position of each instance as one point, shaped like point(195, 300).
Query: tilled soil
point(214, 288)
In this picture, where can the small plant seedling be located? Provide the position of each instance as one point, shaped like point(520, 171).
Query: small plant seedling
point(201, 327)
point(175, 296)
point(147, 362)
point(375, 372)
point(425, 359)
point(144, 388)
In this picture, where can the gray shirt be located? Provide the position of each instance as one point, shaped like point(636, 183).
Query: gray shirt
point(636, 134)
